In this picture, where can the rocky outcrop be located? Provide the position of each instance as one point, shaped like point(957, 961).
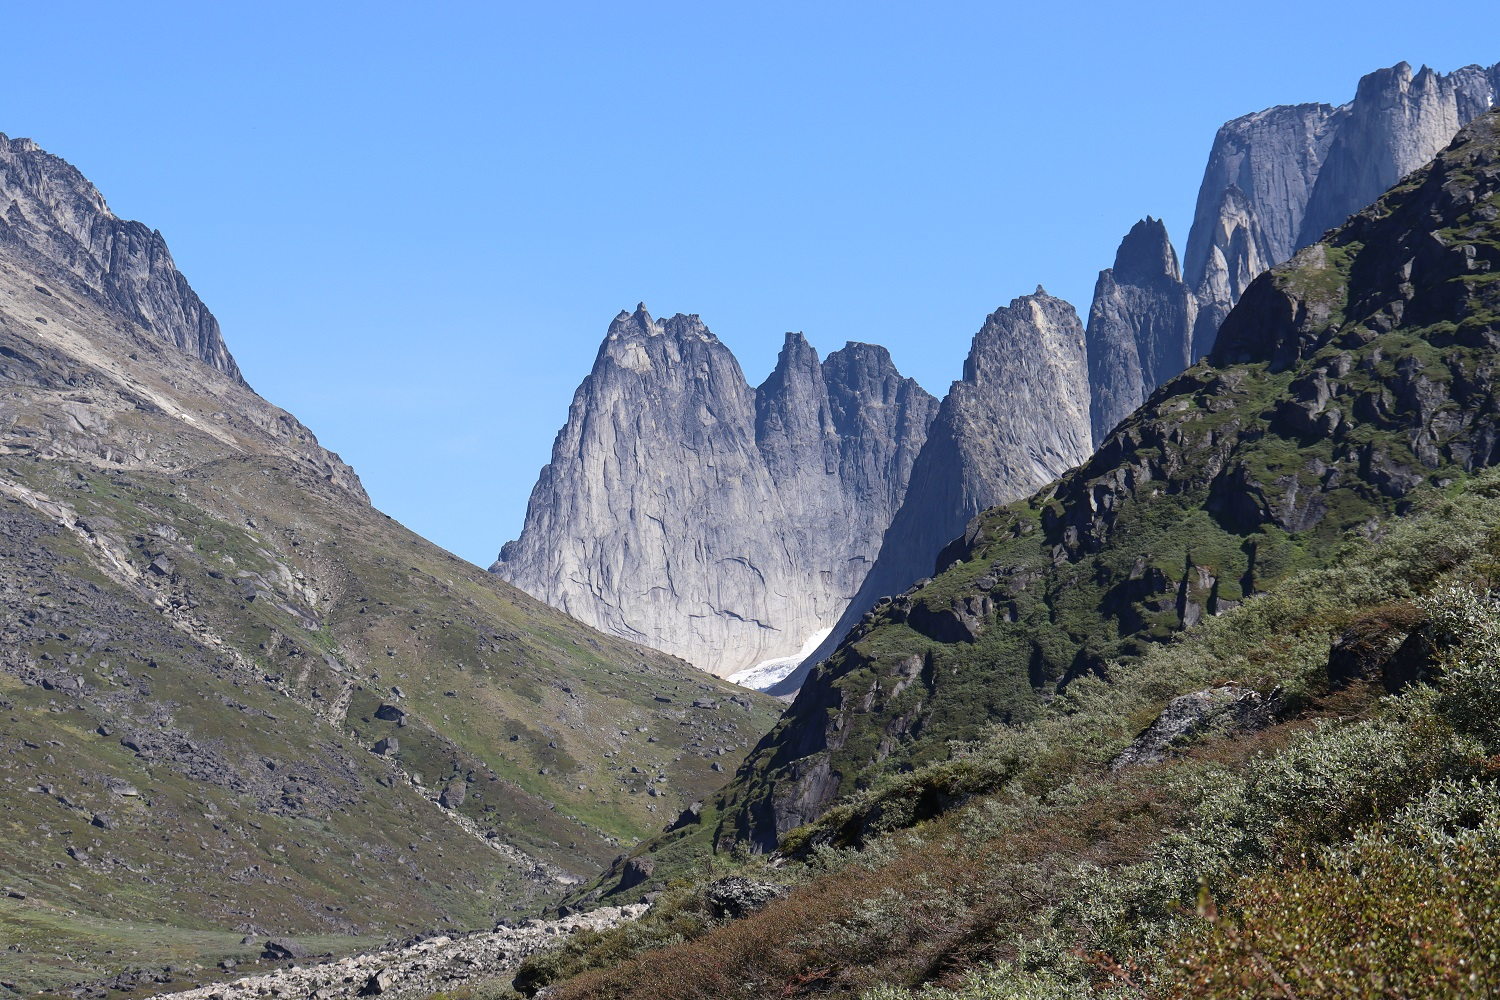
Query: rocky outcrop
point(54, 217)
point(1277, 179)
point(1228, 708)
point(726, 525)
point(1140, 324)
point(1017, 419)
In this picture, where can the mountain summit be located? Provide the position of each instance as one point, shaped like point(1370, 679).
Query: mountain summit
point(727, 525)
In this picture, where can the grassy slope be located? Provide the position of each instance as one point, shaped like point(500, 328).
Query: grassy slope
point(261, 806)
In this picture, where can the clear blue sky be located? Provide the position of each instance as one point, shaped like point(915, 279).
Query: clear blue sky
point(415, 221)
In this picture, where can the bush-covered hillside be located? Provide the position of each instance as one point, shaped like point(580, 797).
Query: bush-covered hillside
point(1342, 839)
point(1218, 714)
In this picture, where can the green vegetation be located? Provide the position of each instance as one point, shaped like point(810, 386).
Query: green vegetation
point(239, 626)
point(1056, 877)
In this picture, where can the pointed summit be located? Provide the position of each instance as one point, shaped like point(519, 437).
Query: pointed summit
point(687, 512)
point(1016, 420)
point(1140, 326)
point(1146, 254)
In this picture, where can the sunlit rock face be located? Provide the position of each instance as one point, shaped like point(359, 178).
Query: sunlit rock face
point(724, 524)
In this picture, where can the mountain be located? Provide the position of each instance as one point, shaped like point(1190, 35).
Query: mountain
point(1274, 182)
point(1345, 385)
point(55, 218)
point(1138, 324)
point(725, 525)
point(1277, 179)
point(1038, 795)
point(239, 700)
point(1014, 421)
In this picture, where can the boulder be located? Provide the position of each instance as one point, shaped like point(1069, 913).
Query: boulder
point(735, 897)
point(637, 870)
point(1227, 707)
point(453, 795)
point(379, 982)
point(281, 949)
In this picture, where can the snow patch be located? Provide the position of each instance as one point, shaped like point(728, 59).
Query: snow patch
point(767, 673)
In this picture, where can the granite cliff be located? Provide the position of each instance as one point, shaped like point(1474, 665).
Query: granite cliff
point(723, 524)
point(1138, 325)
point(1277, 179)
point(1017, 419)
point(807, 517)
point(1274, 182)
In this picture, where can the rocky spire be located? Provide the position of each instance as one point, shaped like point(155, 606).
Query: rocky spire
point(725, 525)
point(1140, 325)
point(1017, 419)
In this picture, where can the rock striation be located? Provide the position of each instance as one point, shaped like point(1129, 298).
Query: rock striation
point(726, 525)
point(1138, 326)
point(50, 214)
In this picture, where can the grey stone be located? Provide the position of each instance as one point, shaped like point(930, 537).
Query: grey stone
point(453, 795)
point(1277, 179)
point(282, 948)
point(737, 896)
point(1017, 420)
point(1140, 326)
point(1187, 717)
point(726, 525)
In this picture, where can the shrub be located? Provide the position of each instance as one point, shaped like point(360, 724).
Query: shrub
point(1386, 921)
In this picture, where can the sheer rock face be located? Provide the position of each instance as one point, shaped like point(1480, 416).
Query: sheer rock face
point(1018, 418)
point(1396, 122)
point(1139, 324)
point(1277, 179)
point(1260, 175)
point(726, 525)
point(51, 213)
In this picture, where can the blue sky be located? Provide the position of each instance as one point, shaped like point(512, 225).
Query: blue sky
point(415, 221)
